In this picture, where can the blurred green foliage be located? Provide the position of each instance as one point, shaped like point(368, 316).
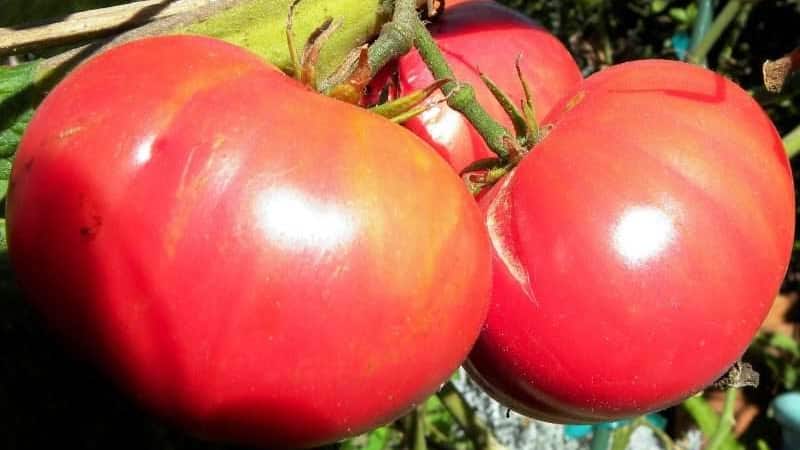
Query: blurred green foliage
point(19, 12)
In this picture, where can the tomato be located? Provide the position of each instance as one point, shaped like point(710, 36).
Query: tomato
point(483, 36)
point(251, 260)
point(637, 248)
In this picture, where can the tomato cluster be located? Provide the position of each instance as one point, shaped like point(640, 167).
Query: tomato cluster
point(259, 263)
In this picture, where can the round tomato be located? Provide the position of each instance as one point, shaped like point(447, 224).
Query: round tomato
point(251, 260)
point(483, 36)
point(637, 248)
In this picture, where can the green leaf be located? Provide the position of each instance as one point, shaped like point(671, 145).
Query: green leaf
point(16, 109)
point(376, 439)
point(789, 377)
point(784, 343)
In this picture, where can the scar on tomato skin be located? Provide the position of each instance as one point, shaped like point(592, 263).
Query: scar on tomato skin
point(218, 141)
point(89, 231)
point(575, 101)
point(29, 164)
point(69, 131)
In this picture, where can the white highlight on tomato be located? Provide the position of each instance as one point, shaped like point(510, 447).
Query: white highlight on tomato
point(443, 123)
point(292, 219)
point(144, 150)
point(641, 233)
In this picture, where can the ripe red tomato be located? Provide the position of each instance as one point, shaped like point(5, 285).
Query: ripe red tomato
point(637, 248)
point(483, 36)
point(252, 260)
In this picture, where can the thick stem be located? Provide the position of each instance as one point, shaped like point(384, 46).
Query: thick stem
point(461, 97)
point(777, 72)
point(726, 422)
point(93, 23)
point(397, 36)
point(700, 49)
point(791, 142)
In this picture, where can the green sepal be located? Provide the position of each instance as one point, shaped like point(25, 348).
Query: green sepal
point(521, 127)
point(528, 110)
point(407, 106)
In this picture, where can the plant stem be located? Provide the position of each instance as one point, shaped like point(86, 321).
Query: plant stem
point(705, 12)
point(416, 429)
point(464, 416)
point(726, 422)
point(726, 54)
point(700, 49)
point(792, 142)
point(82, 25)
point(397, 36)
point(777, 72)
point(707, 420)
point(461, 97)
point(600, 438)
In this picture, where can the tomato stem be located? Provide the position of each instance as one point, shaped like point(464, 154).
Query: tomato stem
point(397, 36)
point(461, 97)
point(726, 421)
point(700, 49)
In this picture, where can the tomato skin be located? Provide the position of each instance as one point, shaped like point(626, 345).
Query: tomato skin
point(637, 249)
point(483, 36)
point(251, 260)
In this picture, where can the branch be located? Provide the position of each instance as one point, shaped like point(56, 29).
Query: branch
point(153, 28)
point(777, 72)
point(88, 24)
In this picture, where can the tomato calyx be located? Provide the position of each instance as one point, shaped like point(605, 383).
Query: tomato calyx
point(403, 108)
point(484, 173)
point(304, 67)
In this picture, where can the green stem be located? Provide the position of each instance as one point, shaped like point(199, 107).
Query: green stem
point(416, 429)
point(397, 36)
point(726, 422)
point(700, 49)
point(726, 54)
point(463, 414)
point(705, 12)
point(791, 142)
point(461, 97)
point(600, 438)
point(707, 419)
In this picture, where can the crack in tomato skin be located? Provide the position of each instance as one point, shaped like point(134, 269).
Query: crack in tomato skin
point(269, 259)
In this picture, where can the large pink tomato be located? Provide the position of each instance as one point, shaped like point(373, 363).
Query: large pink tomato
point(251, 260)
point(637, 248)
point(483, 36)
